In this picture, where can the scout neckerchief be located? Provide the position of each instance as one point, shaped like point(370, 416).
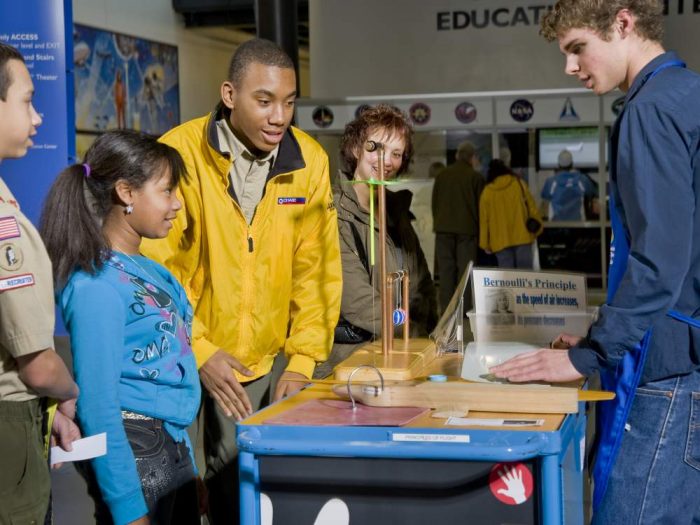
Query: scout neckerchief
point(624, 379)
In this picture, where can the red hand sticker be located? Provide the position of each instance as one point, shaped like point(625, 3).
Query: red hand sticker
point(511, 483)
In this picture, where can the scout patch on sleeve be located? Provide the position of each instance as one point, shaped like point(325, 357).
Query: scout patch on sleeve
point(16, 281)
point(11, 257)
point(9, 229)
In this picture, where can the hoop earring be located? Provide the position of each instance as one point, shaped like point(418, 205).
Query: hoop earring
point(129, 209)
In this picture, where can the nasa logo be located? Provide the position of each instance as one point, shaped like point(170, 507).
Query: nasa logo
point(322, 116)
point(522, 110)
point(465, 112)
point(419, 113)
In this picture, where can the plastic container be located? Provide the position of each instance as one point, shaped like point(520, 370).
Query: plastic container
point(529, 327)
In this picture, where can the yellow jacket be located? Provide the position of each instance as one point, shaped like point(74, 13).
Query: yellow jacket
point(504, 206)
point(257, 289)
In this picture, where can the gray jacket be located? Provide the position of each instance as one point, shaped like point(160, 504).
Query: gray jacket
point(361, 303)
point(456, 199)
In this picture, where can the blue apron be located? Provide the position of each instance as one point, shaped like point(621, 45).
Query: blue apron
point(624, 379)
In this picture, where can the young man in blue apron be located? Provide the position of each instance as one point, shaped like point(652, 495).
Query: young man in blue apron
point(646, 343)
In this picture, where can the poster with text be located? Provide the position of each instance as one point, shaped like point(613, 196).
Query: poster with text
point(528, 306)
point(37, 28)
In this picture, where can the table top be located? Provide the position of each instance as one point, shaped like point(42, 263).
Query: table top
point(552, 422)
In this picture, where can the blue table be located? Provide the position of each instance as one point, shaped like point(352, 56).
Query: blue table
point(424, 471)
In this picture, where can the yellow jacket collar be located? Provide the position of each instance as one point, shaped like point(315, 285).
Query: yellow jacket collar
point(289, 158)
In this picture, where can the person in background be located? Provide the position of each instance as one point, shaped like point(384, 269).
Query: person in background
point(566, 191)
point(505, 155)
point(505, 205)
point(456, 220)
point(360, 311)
point(30, 369)
point(256, 247)
point(435, 168)
point(129, 322)
point(645, 344)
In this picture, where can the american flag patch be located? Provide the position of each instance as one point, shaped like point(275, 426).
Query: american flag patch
point(16, 281)
point(291, 200)
point(9, 229)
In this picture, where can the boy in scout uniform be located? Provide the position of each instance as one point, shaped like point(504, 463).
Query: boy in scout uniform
point(29, 367)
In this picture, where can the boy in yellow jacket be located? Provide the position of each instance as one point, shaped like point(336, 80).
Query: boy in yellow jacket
point(256, 247)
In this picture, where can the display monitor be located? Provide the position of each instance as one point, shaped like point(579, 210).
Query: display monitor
point(583, 143)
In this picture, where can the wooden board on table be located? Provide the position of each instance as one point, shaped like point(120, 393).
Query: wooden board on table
point(406, 361)
point(484, 397)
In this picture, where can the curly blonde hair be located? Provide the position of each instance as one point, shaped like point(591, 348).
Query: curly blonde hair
point(599, 16)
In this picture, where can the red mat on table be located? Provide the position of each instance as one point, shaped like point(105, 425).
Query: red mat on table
point(330, 412)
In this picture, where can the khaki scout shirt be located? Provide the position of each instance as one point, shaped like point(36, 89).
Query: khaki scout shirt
point(248, 172)
point(26, 296)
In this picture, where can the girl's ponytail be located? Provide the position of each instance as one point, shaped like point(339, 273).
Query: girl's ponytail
point(71, 229)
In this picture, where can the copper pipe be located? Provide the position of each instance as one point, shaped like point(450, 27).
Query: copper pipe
point(406, 303)
point(387, 331)
point(389, 315)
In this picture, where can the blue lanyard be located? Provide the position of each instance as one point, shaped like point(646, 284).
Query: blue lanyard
point(659, 69)
point(665, 65)
point(678, 316)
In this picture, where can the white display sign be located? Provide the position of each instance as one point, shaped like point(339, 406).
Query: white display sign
point(527, 306)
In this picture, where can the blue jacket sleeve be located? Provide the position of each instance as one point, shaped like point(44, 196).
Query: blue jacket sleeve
point(589, 190)
point(655, 185)
point(547, 189)
point(95, 317)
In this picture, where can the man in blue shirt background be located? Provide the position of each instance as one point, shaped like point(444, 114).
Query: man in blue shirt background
point(646, 343)
point(567, 190)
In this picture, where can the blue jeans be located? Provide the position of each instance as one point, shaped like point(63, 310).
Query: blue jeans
point(519, 256)
point(656, 478)
point(166, 473)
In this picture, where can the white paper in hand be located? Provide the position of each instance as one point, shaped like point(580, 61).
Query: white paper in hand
point(86, 448)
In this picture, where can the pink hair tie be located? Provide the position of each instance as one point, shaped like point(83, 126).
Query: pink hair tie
point(87, 170)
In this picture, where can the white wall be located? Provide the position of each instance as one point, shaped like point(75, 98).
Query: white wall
point(383, 47)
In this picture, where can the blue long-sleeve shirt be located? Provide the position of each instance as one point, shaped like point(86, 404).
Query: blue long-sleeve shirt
point(565, 192)
point(130, 337)
point(655, 181)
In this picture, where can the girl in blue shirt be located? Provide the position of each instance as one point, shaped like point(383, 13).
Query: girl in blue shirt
point(129, 321)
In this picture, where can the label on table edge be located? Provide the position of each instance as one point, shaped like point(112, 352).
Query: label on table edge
point(437, 438)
